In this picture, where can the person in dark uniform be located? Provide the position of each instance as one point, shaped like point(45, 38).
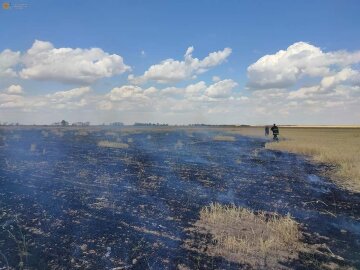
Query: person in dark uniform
point(266, 131)
point(275, 131)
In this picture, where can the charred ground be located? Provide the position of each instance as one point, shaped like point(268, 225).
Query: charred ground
point(67, 202)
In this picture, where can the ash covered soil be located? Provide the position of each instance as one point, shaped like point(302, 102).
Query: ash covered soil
point(66, 203)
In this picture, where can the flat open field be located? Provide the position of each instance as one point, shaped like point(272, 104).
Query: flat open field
point(168, 198)
point(337, 146)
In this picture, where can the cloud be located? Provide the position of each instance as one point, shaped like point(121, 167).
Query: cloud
point(8, 60)
point(286, 67)
point(196, 102)
point(192, 97)
point(126, 92)
point(200, 91)
point(301, 84)
point(104, 105)
point(11, 101)
point(195, 89)
point(64, 96)
point(215, 78)
point(345, 76)
point(311, 104)
point(221, 89)
point(14, 89)
point(329, 85)
point(151, 91)
point(69, 99)
point(45, 62)
point(170, 70)
point(172, 91)
point(305, 92)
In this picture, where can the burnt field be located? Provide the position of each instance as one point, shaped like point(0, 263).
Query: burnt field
point(128, 199)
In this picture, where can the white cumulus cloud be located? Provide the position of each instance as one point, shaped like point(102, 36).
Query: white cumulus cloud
point(132, 97)
point(284, 68)
point(63, 96)
point(11, 101)
point(171, 70)
point(329, 86)
point(221, 89)
point(14, 89)
point(304, 92)
point(126, 92)
point(195, 89)
point(8, 60)
point(345, 76)
point(45, 62)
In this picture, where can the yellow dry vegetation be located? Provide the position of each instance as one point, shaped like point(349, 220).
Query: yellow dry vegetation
point(224, 138)
point(258, 239)
point(338, 146)
point(110, 144)
point(246, 131)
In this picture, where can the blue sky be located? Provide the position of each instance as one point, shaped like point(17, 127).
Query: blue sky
point(145, 33)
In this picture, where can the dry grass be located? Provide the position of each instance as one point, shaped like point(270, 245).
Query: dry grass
point(259, 239)
point(112, 144)
point(224, 138)
point(57, 132)
point(178, 145)
point(33, 147)
point(81, 133)
point(247, 131)
point(110, 133)
point(45, 133)
point(338, 146)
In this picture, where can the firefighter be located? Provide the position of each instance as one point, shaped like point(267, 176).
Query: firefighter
point(266, 131)
point(275, 131)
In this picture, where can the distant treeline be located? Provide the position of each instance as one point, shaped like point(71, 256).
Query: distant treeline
point(149, 124)
point(119, 124)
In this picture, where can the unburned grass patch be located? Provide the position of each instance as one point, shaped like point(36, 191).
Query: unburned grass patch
point(111, 134)
point(57, 132)
point(224, 138)
point(258, 239)
point(81, 133)
point(110, 144)
point(33, 147)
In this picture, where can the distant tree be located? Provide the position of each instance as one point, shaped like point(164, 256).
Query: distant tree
point(64, 123)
